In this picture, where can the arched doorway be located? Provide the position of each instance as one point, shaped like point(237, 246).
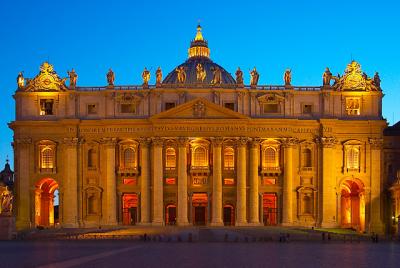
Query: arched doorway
point(352, 204)
point(200, 204)
point(229, 215)
point(270, 211)
point(170, 214)
point(46, 202)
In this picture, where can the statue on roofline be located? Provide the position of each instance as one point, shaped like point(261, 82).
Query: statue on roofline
point(146, 77)
point(287, 77)
point(239, 76)
point(181, 74)
point(327, 77)
point(200, 73)
point(217, 76)
point(73, 77)
point(158, 77)
point(110, 77)
point(20, 80)
point(377, 80)
point(254, 77)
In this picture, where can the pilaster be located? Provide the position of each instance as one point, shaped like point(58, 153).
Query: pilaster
point(376, 224)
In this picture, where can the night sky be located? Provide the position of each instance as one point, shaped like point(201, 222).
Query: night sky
point(92, 36)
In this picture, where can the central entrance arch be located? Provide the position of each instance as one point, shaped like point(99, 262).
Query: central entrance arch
point(200, 204)
point(46, 202)
point(352, 202)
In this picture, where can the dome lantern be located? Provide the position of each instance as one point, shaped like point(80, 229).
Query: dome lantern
point(199, 46)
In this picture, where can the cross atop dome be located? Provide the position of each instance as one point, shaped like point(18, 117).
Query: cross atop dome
point(199, 46)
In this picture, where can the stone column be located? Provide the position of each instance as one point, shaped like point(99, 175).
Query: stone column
point(241, 218)
point(216, 219)
point(376, 224)
point(158, 182)
point(254, 195)
point(22, 184)
point(144, 181)
point(70, 183)
point(287, 207)
point(328, 195)
point(111, 182)
point(182, 217)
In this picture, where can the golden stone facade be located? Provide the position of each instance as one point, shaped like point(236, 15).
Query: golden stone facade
point(200, 148)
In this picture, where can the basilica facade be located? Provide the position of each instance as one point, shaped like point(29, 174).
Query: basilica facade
point(200, 147)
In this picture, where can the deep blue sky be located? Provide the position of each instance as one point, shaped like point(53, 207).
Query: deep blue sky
point(92, 36)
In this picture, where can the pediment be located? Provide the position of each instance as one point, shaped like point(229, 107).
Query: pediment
point(270, 98)
point(199, 108)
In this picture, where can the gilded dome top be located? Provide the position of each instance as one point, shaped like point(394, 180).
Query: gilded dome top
point(199, 68)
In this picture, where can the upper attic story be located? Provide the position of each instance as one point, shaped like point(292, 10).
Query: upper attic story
point(47, 96)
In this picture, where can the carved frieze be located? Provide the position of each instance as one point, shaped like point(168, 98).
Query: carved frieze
point(289, 142)
point(327, 142)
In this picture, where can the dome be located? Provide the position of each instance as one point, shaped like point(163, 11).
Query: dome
point(199, 53)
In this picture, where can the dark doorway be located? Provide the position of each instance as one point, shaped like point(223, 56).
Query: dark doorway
point(129, 209)
point(171, 215)
point(200, 215)
point(229, 215)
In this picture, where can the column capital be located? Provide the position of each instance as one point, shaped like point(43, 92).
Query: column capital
point(109, 142)
point(242, 141)
point(255, 142)
point(23, 141)
point(376, 144)
point(71, 141)
point(144, 141)
point(289, 142)
point(157, 141)
point(217, 141)
point(327, 142)
point(182, 141)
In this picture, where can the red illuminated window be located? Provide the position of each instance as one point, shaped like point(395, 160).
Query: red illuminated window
point(229, 181)
point(129, 181)
point(170, 181)
point(269, 181)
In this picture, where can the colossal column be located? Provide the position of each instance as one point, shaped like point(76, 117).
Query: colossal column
point(70, 183)
point(287, 212)
point(216, 219)
point(328, 182)
point(158, 177)
point(241, 218)
point(254, 195)
point(111, 182)
point(376, 190)
point(182, 218)
point(22, 183)
point(144, 181)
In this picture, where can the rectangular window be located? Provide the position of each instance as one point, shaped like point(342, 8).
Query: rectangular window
point(170, 181)
point(199, 180)
point(46, 107)
point(353, 106)
point(229, 181)
point(307, 109)
point(269, 181)
point(129, 181)
point(270, 108)
point(229, 105)
point(169, 105)
point(128, 108)
point(92, 109)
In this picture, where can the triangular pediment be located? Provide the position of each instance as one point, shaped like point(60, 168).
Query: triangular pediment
point(199, 108)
